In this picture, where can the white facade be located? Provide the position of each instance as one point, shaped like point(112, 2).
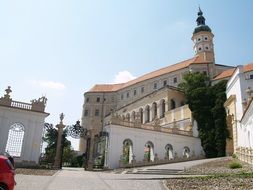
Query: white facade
point(21, 129)
point(237, 85)
point(140, 137)
point(240, 108)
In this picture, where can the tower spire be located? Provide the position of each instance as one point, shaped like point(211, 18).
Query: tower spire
point(201, 19)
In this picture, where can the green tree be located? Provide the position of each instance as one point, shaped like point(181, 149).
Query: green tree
point(206, 103)
point(51, 139)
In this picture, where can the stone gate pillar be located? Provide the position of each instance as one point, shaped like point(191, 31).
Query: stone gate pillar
point(60, 127)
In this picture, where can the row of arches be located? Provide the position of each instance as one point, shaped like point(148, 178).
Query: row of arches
point(151, 112)
point(149, 155)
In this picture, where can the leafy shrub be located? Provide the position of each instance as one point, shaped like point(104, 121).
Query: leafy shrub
point(234, 165)
point(234, 155)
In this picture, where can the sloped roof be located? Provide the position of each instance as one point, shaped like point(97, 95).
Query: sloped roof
point(165, 70)
point(229, 72)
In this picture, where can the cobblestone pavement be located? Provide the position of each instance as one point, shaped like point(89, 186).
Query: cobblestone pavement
point(148, 178)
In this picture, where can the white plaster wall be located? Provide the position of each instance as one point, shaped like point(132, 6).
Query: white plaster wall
point(246, 133)
point(237, 86)
point(33, 123)
point(139, 137)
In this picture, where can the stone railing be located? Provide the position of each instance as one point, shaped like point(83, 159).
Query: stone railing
point(180, 123)
point(21, 105)
point(158, 161)
point(151, 127)
point(245, 154)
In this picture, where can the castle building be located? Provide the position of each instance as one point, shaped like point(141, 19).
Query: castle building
point(146, 118)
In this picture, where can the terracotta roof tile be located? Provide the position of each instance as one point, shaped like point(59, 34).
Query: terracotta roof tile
point(165, 70)
point(225, 74)
point(229, 72)
point(248, 67)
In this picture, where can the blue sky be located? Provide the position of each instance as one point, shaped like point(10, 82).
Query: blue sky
point(61, 48)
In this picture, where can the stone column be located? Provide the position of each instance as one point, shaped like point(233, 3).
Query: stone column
point(159, 107)
point(60, 126)
point(167, 105)
point(144, 116)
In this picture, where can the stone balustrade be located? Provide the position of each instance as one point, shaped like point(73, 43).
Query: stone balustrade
point(245, 154)
point(21, 105)
point(35, 105)
point(152, 127)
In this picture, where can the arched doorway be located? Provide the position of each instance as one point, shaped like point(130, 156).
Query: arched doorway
point(149, 152)
point(186, 152)
point(169, 151)
point(127, 151)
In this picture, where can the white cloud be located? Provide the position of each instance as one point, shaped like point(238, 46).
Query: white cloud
point(49, 84)
point(123, 76)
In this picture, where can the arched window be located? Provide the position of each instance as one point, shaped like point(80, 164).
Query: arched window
point(127, 151)
point(186, 152)
point(169, 151)
point(162, 108)
point(172, 104)
point(133, 116)
point(141, 114)
point(15, 139)
point(154, 109)
point(149, 152)
point(128, 116)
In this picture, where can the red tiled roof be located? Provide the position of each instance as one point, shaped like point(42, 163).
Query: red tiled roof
point(165, 70)
point(229, 72)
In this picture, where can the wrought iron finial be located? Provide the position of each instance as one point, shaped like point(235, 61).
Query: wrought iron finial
point(76, 131)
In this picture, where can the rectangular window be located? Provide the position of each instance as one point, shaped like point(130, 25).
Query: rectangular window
point(155, 85)
point(142, 89)
point(96, 112)
point(122, 96)
point(86, 113)
point(165, 83)
point(98, 99)
point(251, 76)
point(87, 99)
point(135, 92)
point(175, 80)
point(127, 94)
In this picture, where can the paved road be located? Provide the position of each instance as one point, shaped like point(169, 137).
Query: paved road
point(148, 178)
